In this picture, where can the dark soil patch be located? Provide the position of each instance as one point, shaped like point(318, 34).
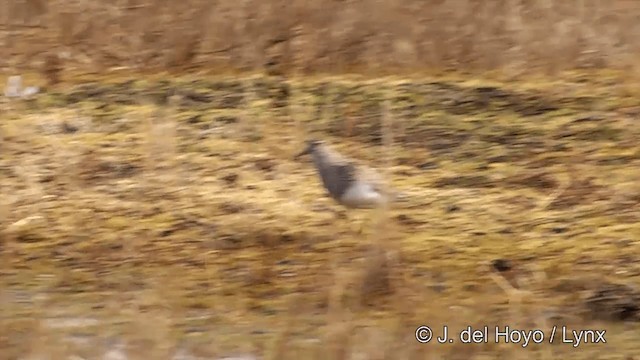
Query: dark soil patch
point(614, 302)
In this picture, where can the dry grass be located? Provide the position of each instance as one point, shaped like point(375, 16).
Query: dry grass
point(162, 216)
point(136, 218)
point(513, 36)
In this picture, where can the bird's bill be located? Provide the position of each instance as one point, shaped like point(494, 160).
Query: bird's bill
point(304, 152)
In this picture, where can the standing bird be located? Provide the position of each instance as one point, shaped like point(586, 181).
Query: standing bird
point(355, 187)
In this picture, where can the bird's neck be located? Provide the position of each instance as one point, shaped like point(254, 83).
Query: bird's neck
point(319, 159)
point(323, 157)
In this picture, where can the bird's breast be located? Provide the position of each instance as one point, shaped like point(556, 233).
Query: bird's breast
point(362, 195)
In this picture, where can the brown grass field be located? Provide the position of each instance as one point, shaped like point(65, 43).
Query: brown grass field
point(151, 207)
point(514, 37)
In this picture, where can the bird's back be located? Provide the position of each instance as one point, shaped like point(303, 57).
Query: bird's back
point(347, 183)
point(336, 172)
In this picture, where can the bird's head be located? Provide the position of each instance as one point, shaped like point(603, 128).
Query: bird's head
point(310, 148)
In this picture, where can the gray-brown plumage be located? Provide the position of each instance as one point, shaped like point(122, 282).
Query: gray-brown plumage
point(350, 185)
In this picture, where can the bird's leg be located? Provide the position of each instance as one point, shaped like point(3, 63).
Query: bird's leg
point(362, 225)
point(340, 214)
point(363, 228)
point(344, 214)
point(351, 219)
point(375, 221)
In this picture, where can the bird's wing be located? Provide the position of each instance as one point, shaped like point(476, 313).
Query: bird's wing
point(338, 177)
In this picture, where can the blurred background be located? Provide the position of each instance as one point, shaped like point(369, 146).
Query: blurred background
point(301, 36)
point(151, 206)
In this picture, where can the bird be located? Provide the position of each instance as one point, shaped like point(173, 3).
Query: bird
point(351, 185)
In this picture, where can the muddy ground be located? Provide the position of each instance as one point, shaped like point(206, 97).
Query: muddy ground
point(164, 217)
